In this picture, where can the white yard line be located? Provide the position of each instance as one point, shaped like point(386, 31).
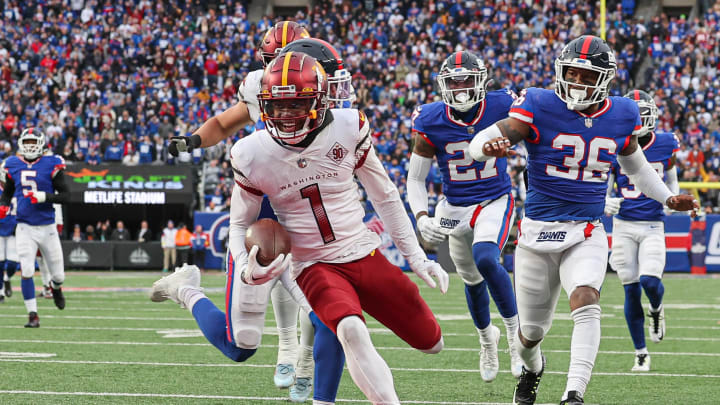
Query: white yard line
point(432, 370)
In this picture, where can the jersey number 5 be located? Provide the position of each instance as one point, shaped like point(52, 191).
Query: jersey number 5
point(594, 169)
point(27, 181)
point(312, 193)
point(459, 168)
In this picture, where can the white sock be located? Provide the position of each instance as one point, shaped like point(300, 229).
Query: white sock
point(368, 370)
point(531, 357)
point(31, 305)
point(511, 327)
point(305, 363)
point(584, 346)
point(644, 350)
point(5, 277)
point(286, 317)
point(486, 335)
point(189, 296)
point(316, 402)
point(658, 309)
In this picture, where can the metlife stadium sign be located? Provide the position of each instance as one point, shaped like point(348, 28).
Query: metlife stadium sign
point(117, 184)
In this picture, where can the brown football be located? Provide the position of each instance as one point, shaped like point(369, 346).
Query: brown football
point(271, 239)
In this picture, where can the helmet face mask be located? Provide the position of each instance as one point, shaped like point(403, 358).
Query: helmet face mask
point(31, 143)
point(593, 56)
point(340, 89)
point(293, 97)
point(462, 81)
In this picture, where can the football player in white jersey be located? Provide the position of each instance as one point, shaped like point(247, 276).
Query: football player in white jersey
point(306, 162)
point(36, 181)
point(573, 135)
point(225, 125)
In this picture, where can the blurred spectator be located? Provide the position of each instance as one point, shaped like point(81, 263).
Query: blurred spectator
point(144, 234)
point(90, 233)
point(167, 241)
point(77, 234)
point(183, 244)
point(120, 233)
point(200, 242)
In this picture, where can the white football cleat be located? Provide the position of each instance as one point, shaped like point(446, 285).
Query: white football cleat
point(656, 326)
point(489, 363)
point(642, 362)
point(167, 287)
point(284, 375)
point(301, 390)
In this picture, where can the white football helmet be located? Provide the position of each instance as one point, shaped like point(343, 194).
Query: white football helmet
point(31, 143)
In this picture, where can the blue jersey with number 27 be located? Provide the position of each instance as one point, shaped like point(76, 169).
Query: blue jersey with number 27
point(571, 153)
point(33, 176)
point(465, 181)
point(636, 206)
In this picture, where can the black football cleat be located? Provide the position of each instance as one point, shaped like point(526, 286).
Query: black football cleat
point(58, 297)
point(573, 398)
point(2, 299)
point(8, 289)
point(527, 385)
point(33, 320)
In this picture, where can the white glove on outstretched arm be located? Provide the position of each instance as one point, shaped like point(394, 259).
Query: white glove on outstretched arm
point(430, 231)
point(427, 269)
point(254, 273)
point(612, 205)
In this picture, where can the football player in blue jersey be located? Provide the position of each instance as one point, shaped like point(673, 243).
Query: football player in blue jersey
point(573, 136)
point(638, 249)
point(326, 350)
point(478, 211)
point(36, 181)
point(8, 253)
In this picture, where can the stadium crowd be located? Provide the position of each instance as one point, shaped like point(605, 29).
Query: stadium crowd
point(111, 81)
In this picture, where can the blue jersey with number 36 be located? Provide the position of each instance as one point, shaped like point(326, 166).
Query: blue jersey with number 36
point(33, 176)
point(636, 206)
point(571, 153)
point(465, 181)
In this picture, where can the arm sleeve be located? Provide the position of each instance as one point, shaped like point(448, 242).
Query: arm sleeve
point(295, 292)
point(244, 210)
point(386, 200)
point(7, 193)
point(644, 176)
point(671, 180)
point(610, 184)
point(62, 192)
point(416, 190)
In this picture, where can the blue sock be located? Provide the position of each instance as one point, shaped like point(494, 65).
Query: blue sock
point(487, 260)
point(478, 302)
point(11, 267)
point(27, 285)
point(329, 361)
point(654, 289)
point(211, 321)
point(634, 314)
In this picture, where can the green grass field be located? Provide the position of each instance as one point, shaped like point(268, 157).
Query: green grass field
point(111, 345)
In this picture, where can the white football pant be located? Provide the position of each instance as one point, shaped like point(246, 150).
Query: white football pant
point(8, 249)
point(29, 239)
point(638, 249)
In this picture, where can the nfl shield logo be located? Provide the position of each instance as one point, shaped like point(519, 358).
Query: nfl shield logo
point(588, 122)
point(471, 130)
point(302, 163)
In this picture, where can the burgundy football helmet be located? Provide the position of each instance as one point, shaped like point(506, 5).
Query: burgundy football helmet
point(278, 36)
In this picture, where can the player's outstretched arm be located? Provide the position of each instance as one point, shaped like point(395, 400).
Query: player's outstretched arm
point(61, 195)
point(420, 162)
point(496, 140)
point(634, 163)
point(213, 131)
point(386, 200)
point(671, 178)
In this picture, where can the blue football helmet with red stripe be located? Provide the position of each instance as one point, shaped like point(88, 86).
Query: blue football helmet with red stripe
point(462, 80)
point(648, 110)
point(586, 52)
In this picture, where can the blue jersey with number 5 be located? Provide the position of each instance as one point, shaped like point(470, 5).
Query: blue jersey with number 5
point(465, 181)
point(33, 176)
point(636, 206)
point(571, 153)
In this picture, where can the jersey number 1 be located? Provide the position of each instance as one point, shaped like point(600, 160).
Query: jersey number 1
point(312, 193)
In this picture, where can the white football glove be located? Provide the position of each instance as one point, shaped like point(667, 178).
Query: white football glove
point(427, 269)
point(430, 231)
point(255, 273)
point(612, 205)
